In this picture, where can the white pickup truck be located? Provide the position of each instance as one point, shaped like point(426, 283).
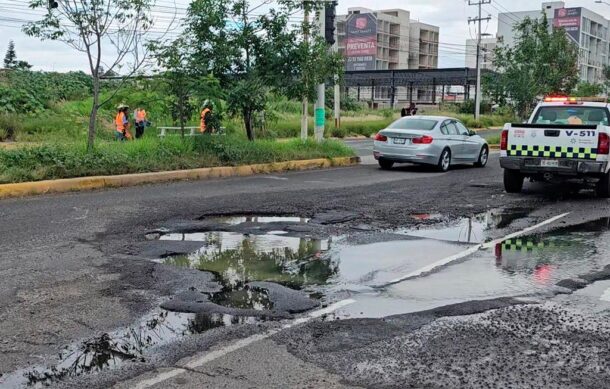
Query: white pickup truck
point(565, 139)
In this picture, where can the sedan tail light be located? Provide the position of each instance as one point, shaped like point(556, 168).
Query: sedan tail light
point(381, 138)
point(603, 145)
point(504, 140)
point(422, 140)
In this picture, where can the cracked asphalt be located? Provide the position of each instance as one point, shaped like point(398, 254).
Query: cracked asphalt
point(75, 266)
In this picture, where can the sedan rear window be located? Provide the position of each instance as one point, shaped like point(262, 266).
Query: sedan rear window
point(413, 124)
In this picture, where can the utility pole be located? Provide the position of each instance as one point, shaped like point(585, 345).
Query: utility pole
point(479, 19)
point(319, 117)
point(305, 108)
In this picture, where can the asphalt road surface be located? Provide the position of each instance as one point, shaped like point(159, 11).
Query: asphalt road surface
point(347, 277)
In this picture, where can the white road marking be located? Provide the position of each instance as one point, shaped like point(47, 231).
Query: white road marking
point(435, 265)
point(606, 295)
point(275, 178)
point(493, 243)
point(471, 250)
point(213, 355)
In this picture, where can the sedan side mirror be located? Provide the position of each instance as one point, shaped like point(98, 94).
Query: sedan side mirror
point(471, 133)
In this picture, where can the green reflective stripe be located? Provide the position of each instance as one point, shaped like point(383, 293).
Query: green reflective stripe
point(552, 151)
point(525, 245)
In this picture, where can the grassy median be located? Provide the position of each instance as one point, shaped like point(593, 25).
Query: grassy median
point(150, 155)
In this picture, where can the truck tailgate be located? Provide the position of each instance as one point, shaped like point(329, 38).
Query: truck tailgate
point(553, 141)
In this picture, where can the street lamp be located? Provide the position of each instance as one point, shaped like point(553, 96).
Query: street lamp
point(601, 2)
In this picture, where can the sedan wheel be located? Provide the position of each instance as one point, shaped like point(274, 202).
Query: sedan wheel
point(385, 164)
point(483, 157)
point(445, 161)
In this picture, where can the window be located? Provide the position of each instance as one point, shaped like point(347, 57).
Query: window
point(450, 128)
point(462, 129)
point(407, 123)
point(572, 115)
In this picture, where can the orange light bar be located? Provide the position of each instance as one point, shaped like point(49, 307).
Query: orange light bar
point(572, 100)
point(556, 99)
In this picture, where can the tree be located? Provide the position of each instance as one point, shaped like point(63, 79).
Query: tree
point(252, 55)
point(10, 59)
point(184, 87)
point(108, 32)
point(606, 75)
point(586, 89)
point(539, 63)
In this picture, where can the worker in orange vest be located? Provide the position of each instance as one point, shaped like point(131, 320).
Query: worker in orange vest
point(140, 119)
point(122, 123)
point(205, 116)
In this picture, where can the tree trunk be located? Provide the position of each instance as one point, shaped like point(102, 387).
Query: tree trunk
point(93, 116)
point(248, 124)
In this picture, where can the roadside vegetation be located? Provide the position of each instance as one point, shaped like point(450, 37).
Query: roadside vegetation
point(64, 160)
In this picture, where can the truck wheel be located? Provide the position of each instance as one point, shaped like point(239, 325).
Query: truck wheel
point(513, 181)
point(385, 164)
point(603, 186)
point(483, 157)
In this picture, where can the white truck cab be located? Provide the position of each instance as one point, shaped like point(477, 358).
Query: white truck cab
point(565, 139)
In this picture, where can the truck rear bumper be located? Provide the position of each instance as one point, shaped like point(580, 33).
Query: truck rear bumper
point(568, 167)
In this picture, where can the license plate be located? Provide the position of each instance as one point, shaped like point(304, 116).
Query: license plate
point(549, 163)
point(400, 141)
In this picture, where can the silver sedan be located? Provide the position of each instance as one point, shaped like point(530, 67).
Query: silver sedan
point(431, 140)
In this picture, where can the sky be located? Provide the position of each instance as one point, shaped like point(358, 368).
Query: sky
point(450, 15)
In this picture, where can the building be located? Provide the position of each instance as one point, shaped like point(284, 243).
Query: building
point(423, 45)
point(586, 28)
point(386, 40)
point(488, 45)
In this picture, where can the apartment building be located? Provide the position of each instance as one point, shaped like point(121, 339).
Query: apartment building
point(586, 28)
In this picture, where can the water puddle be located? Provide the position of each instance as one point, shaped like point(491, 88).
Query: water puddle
point(243, 298)
point(239, 258)
point(135, 344)
point(473, 229)
point(526, 266)
point(236, 220)
point(333, 269)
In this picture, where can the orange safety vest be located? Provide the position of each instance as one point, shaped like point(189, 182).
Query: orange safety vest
point(203, 113)
point(119, 121)
point(140, 116)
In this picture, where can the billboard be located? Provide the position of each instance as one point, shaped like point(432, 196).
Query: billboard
point(361, 42)
point(569, 19)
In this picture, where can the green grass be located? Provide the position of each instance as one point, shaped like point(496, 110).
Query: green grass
point(64, 160)
point(494, 140)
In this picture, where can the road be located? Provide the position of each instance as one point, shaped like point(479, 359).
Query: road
point(347, 277)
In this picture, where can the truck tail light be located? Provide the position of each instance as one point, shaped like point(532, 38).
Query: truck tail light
point(422, 140)
point(381, 138)
point(504, 140)
point(603, 145)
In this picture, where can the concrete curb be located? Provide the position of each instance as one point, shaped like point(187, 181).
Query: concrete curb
point(99, 182)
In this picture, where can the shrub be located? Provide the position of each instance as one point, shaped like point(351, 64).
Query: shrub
point(9, 126)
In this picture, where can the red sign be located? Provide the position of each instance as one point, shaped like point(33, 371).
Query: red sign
point(361, 46)
point(361, 23)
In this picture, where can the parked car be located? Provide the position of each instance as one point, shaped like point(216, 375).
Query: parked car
point(431, 140)
point(566, 139)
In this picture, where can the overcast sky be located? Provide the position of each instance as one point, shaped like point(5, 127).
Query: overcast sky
point(450, 15)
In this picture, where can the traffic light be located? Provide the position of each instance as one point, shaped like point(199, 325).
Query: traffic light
point(53, 4)
point(330, 13)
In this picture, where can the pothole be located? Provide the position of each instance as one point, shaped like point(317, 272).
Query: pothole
point(240, 258)
point(113, 350)
point(235, 220)
point(243, 298)
point(473, 229)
